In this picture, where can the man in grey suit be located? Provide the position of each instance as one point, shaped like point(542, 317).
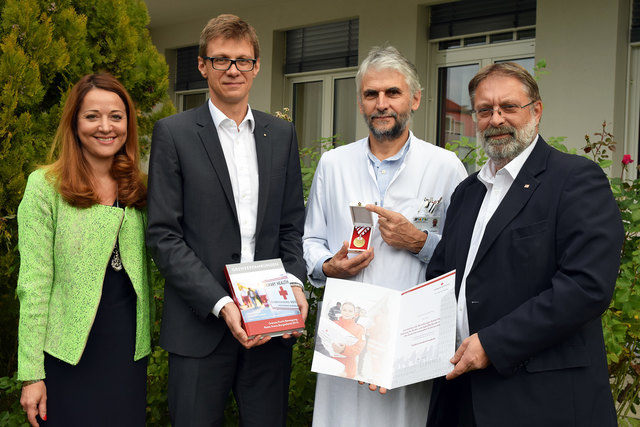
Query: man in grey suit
point(224, 187)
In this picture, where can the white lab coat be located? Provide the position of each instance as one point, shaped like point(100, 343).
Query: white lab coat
point(345, 175)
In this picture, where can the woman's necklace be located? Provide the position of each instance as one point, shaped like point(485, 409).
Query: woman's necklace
point(116, 261)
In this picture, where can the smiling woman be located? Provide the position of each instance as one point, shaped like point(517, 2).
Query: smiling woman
point(102, 126)
point(84, 278)
point(98, 106)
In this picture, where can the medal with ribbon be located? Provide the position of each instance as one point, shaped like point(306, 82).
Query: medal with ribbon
point(360, 241)
point(362, 227)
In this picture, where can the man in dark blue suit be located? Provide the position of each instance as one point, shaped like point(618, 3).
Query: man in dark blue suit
point(535, 238)
point(224, 187)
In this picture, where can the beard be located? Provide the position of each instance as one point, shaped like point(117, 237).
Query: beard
point(401, 123)
point(506, 149)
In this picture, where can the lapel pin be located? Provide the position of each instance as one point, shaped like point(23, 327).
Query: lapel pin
point(265, 134)
point(526, 186)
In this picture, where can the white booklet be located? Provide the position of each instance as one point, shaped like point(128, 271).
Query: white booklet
point(387, 337)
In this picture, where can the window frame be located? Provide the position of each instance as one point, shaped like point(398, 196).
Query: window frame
point(482, 55)
point(632, 132)
point(179, 97)
point(328, 78)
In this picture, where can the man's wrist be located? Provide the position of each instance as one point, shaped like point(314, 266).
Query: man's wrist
point(318, 271)
point(294, 282)
point(325, 266)
point(225, 309)
point(220, 304)
point(29, 382)
point(421, 239)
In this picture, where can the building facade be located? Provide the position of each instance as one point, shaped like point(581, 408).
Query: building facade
point(310, 52)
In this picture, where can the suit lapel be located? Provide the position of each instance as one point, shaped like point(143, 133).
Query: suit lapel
point(211, 142)
point(263, 152)
point(516, 198)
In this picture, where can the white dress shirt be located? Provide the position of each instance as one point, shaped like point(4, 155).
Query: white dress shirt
point(239, 148)
point(498, 184)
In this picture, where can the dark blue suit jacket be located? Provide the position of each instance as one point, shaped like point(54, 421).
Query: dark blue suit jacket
point(544, 273)
point(193, 225)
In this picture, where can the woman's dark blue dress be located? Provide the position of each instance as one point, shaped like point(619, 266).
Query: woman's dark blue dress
point(106, 388)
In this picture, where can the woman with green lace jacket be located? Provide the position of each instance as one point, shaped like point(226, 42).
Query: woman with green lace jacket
point(85, 301)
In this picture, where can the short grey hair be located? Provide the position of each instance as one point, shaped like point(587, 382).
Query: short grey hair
point(506, 69)
point(388, 57)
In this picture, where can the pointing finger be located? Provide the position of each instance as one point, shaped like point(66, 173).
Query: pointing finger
point(378, 210)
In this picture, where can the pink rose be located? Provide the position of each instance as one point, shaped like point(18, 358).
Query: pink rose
point(626, 159)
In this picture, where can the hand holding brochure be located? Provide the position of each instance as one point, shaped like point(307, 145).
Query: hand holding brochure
point(387, 337)
point(262, 292)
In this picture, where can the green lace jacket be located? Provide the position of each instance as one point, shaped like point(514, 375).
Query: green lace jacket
point(64, 253)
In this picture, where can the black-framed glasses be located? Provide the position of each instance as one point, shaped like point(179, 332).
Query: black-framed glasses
point(223, 64)
point(485, 113)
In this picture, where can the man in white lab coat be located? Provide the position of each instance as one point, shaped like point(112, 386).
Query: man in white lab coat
point(406, 183)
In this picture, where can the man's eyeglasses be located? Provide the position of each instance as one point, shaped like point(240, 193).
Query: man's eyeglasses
point(223, 64)
point(485, 113)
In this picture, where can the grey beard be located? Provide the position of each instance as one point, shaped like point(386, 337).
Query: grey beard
point(508, 149)
point(401, 122)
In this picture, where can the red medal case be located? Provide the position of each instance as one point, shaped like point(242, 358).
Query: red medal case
point(362, 228)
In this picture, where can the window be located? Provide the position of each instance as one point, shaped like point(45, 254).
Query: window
point(186, 100)
point(320, 81)
point(632, 137)
point(458, 51)
point(191, 88)
point(323, 106)
point(450, 117)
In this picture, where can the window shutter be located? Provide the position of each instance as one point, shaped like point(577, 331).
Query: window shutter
point(635, 22)
point(322, 47)
point(187, 75)
point(471, 16)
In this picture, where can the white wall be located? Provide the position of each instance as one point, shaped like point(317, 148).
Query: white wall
point(586, 45)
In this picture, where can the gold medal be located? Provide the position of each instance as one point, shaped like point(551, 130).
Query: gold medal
point(358, 242)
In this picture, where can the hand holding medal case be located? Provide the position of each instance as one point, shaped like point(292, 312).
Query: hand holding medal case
point(362, 228)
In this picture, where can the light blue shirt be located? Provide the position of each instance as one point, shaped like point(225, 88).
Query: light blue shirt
point(386, 169)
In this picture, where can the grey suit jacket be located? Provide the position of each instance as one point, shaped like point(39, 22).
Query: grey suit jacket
point(193, 225)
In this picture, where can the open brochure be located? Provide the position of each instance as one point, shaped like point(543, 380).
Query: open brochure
point(387, 337)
